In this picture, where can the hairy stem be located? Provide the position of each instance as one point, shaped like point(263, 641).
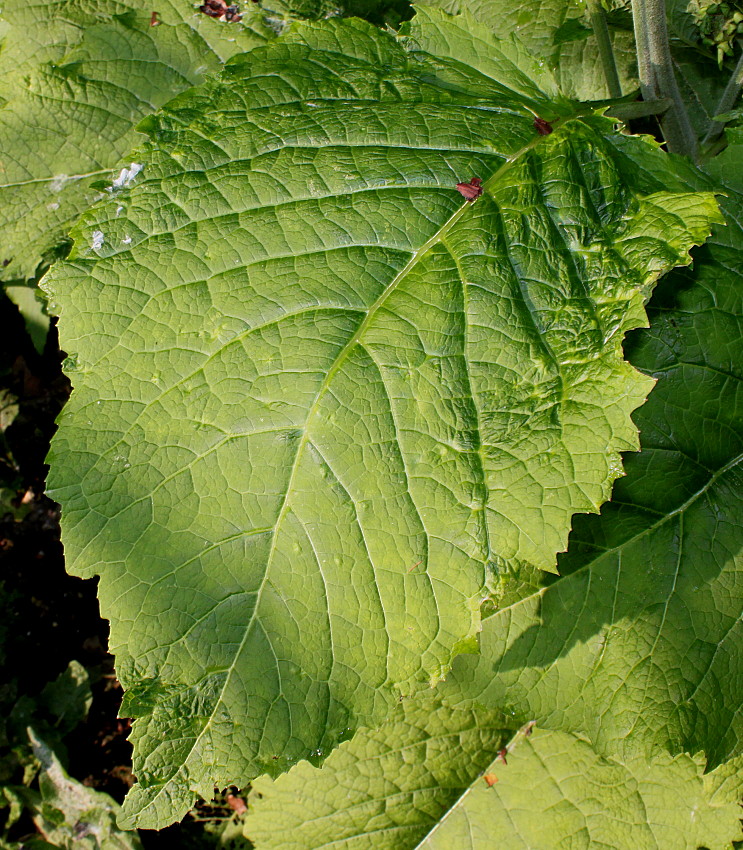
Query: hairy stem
point(657, 77)
point(644, 68)
point(606, 51)
point(727, 102)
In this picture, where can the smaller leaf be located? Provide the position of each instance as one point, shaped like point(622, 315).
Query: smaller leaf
point(70, 813)
point(67, 699)
point(390, 785)
point(557, 793)
point(31, 306)
point(418, 782)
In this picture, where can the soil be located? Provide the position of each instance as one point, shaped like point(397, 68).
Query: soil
point(54, 617)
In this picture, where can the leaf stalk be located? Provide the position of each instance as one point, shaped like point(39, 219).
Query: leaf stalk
point(657, 77)
point(600, 28)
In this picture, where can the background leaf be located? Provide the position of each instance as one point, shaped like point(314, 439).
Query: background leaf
point(69, 815)
point(558, 34)
point(535, 23)
point(75, 77)
point(32, 308)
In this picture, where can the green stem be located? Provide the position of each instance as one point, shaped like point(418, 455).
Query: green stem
point(606, 51)
point(727, 102)
point(657, 77)
point(647, 80)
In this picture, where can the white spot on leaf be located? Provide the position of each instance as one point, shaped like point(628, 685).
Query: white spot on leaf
point(58, 182)
point(126, 175)
point(98, 238)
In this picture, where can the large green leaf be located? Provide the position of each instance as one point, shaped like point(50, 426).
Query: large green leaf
point(75, 77)
point(319, 396)
point(640, 646)
point(421, 781)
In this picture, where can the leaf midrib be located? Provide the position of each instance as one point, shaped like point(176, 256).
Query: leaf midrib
point(364, 324)
point(340, 359)
point(460, 800)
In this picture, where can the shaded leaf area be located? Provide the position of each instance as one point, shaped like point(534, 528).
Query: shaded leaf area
point(535, 23)
point(379, 12)
point(639, 646)
point(437, 778)
point(369, 395)
point(559, 34)
point(75, 77)
point(387, 788)
point(702, 83)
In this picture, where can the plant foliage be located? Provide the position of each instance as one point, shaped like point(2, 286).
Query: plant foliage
point(416, 783)
point(632, 659)
point(559, 35)
point(348, 334)
point(71, 816)
point(373, 397)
